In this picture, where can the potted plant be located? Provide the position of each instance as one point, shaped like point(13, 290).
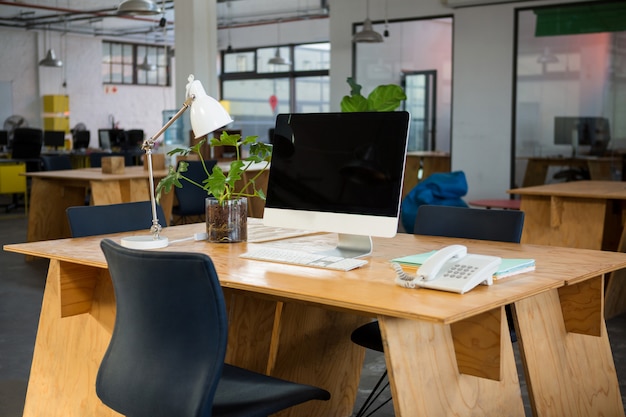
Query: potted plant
point(385, 97)
point(227, 192)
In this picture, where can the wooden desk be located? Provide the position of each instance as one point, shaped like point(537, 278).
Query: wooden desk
point(428, 162)
point(580, 214)
point(447, 354)
point(52, 192)
point(600, 168)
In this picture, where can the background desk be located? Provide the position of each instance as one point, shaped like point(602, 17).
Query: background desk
point(428, 162)
point(52, 192)
point(600, 168)
point(580, 214)
point(447, 354)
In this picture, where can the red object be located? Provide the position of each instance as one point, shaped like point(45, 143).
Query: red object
point(506, 204)
point(273, 102)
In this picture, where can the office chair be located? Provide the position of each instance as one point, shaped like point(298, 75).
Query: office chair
point(191, 199)
point(446, 221)
point(166, 354)
point(55, 162)
point(81, 139)
point(112, 218)
point(26, 146)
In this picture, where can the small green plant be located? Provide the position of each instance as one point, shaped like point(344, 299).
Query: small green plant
point(222, 186)
point(382, 98)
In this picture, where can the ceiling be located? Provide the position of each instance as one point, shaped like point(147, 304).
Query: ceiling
point(99, 17)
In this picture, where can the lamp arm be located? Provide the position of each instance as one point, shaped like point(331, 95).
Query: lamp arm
point(147, 146)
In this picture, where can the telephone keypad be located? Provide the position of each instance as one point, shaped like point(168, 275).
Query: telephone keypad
point(460, 271)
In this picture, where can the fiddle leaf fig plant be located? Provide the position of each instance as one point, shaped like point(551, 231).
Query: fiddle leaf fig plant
point(223, 185)
point(382, 98)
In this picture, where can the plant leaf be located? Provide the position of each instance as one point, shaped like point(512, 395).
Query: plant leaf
point(385, 98)
point(351, 104)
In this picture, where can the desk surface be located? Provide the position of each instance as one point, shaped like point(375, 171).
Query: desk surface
point(294, 322)
point(369, 289)
point(96, 174)
point(583, 189)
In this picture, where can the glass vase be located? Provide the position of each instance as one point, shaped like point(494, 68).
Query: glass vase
point(227, 222)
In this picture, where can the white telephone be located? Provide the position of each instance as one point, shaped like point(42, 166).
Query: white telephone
point(451, 269)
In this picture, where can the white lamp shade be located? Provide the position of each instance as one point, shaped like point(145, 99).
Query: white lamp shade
point(138, 7)
point(206, 113)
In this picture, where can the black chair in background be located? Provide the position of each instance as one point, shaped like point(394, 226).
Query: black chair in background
point(134, 139)
point(55, 162)
point(191, 199)
point(112, 218)
point(26, 146)
point(446, 221)
point(167, 351)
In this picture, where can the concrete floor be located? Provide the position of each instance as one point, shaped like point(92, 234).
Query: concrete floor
point(21, 291)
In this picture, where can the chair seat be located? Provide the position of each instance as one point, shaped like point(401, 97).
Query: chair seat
point(368, 336)
point(242, 393)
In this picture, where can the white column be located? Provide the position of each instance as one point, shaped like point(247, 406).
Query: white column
point(195, 47)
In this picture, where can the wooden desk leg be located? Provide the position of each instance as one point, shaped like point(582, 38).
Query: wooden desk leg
point(535, 173)
point(68, 352)
point(425, 380)
point(46, 215)
point(615, 301)
point(299, 343)
point(568, 374)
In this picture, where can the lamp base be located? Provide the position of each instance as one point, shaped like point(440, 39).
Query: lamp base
point(144, 242)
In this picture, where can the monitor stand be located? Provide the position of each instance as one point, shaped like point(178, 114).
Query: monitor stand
point(351, 246)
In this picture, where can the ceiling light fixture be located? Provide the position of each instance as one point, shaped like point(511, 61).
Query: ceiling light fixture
point(367, 34)
point(277, 59)
point(51, 59)
point(138, 7)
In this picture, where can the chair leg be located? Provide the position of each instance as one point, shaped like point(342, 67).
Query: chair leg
point(369, 401)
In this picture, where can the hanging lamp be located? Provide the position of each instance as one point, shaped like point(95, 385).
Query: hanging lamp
point(50, 59)
point(277, 59)
point(367, 34)
point(138, 7)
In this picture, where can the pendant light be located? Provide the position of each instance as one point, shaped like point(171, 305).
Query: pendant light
point(138, 7)
point(367, 34)
point(146, 65)
point(277, 59)
point(51, 59)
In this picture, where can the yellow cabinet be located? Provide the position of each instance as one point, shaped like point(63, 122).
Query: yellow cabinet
point(11, 182)
point(56, 112)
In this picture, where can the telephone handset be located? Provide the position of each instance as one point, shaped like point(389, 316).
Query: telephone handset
point(451, 269)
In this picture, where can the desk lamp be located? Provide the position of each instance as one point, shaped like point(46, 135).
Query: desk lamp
point(206, 115)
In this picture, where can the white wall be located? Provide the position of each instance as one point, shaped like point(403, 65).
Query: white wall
point(91, 103)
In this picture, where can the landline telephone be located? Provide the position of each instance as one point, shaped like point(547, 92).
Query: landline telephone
point(451, 269)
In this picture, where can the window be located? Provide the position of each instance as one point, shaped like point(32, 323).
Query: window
point(257, 90)
point(126, 63)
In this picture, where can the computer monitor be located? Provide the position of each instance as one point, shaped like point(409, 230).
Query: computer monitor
point(582, 131)
point(4, 139)
point(81, 139)
point(111, 138)
point(54, 138)
point(338, 172)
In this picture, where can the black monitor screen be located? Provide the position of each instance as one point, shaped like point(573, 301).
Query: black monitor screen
point(4, 138)
point(81, 139)
point(54, 138)
point(338, 162)
point(111, 138)
point(586, 130)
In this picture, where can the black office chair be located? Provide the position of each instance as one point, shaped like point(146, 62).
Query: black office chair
point(112, 218)
point(26, 146)
point(55, 162)
point(166, 355)
point(191, 199)
point(446, 221)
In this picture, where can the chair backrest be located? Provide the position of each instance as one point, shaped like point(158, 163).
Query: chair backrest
point(27, 143)
point(470, 223)
point(168, 346)
point(55, 162)
point(81, 139)
point(112, 218)
point(191, 198)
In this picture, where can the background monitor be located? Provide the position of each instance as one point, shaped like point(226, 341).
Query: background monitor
point(111, 138)
point(54, 138)
point(338, 172)
point(81, 139)
point(587, 130)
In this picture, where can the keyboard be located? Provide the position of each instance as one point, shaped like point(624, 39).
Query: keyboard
point(297, 257)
